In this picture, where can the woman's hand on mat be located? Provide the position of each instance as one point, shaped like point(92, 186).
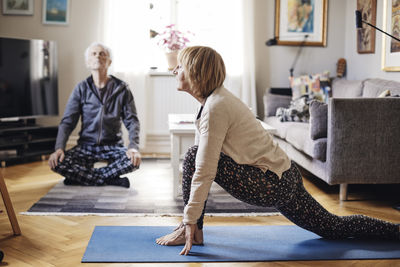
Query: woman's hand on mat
point(55, 157)
point(134, 156)
point(189, 236)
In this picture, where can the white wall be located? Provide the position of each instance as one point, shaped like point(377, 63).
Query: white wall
point(361, 66)
point(273, 63)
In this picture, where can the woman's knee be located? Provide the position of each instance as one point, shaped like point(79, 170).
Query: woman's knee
point(189, 165)
point(190, 156)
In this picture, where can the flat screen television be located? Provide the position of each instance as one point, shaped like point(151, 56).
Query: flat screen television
point(28, 79)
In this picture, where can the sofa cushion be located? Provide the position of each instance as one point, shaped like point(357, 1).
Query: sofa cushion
point(342, 88)
point(299, 136)
point(274, 101)
point(318, 148)
point(318, 120)
point(281, 127)
point(374, 87)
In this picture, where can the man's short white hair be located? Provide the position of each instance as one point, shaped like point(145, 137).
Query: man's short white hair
point(106, 48)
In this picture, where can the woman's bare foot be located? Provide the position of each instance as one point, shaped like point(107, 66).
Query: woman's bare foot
point(179, 226)
point(177, 237)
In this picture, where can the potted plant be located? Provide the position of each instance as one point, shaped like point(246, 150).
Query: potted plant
point(172, 40)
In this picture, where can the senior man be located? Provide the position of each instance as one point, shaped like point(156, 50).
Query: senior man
point(102, 101)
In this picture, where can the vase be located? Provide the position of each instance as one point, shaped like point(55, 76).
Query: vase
point(172, 59)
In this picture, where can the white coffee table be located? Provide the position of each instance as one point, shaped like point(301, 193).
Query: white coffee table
point(182, 132)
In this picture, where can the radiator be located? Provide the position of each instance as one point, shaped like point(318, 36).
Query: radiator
point(163, 99)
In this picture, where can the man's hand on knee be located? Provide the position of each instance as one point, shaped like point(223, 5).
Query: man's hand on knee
point(57, 156)
point(134, 156)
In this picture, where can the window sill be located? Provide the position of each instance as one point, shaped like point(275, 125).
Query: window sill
point(156, 72)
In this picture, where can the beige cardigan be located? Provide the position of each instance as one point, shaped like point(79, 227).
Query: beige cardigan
point(227, 125)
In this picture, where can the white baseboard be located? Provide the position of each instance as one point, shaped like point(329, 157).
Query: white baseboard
point(157, 143)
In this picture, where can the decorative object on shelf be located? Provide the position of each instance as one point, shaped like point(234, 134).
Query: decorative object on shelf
point(391, 47)
point(341, 68)
point(12, 7)
point(296, 18)
point(56, 12)
point(366, 35)
point(172, 40)
point(172, 59)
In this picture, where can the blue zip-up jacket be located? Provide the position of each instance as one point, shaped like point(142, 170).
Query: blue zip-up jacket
point(100, 122)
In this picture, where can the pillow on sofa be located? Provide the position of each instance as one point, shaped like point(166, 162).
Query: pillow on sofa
point(316, 86)
point(297, 111)
point(384, 93)
point(318, 119)
point(299, 86)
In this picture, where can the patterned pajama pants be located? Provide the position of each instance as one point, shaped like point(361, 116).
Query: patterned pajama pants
point(79, 161)
point(288, 195)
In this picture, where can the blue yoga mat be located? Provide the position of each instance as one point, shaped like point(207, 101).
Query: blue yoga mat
point(231, 243)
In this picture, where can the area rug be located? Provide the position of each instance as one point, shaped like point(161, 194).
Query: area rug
point(231, 244)
point(150, 195)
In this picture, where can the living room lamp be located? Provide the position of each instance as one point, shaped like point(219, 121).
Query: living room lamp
point(274, 41)
point(359, 22)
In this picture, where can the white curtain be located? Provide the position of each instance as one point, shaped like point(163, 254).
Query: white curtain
point(248, 92)
point(243, 82)
point(126, 31)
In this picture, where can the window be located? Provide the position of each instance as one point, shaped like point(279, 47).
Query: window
point(214, 23)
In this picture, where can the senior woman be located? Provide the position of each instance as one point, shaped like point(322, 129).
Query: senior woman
point(234, 150)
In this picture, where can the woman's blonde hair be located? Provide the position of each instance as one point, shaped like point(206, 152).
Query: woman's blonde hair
point(204, 67)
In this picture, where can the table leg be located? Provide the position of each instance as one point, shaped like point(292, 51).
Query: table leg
point(9, 207)
point(175, 151)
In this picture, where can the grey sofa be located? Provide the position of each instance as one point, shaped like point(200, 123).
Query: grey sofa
point(362, 140)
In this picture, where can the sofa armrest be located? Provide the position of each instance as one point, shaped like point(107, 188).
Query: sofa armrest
point(274, 101)
point(363, 140)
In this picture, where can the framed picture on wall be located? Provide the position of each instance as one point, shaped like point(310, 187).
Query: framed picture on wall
point(56, 12)
point(391, 47)
point(13, 7)
point(366, 34)
point(298, 21)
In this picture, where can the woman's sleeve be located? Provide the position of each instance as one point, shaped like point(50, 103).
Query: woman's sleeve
point(212, 131)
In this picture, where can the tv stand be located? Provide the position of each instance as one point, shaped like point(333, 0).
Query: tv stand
point(5, 124)
point(25, 140)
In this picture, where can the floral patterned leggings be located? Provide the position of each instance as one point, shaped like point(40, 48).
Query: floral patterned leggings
point(288, 195)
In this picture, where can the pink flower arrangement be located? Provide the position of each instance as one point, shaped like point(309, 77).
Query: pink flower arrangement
point(172, 39)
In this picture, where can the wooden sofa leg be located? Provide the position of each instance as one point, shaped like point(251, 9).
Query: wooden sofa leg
point(343, 192)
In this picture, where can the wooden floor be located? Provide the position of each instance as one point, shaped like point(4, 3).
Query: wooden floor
point(62, 240)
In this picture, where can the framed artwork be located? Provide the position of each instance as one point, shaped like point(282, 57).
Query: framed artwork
point(14, 7)
point(366, 35)
point(55, 12)
point(298, 21)
point(391, 25)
